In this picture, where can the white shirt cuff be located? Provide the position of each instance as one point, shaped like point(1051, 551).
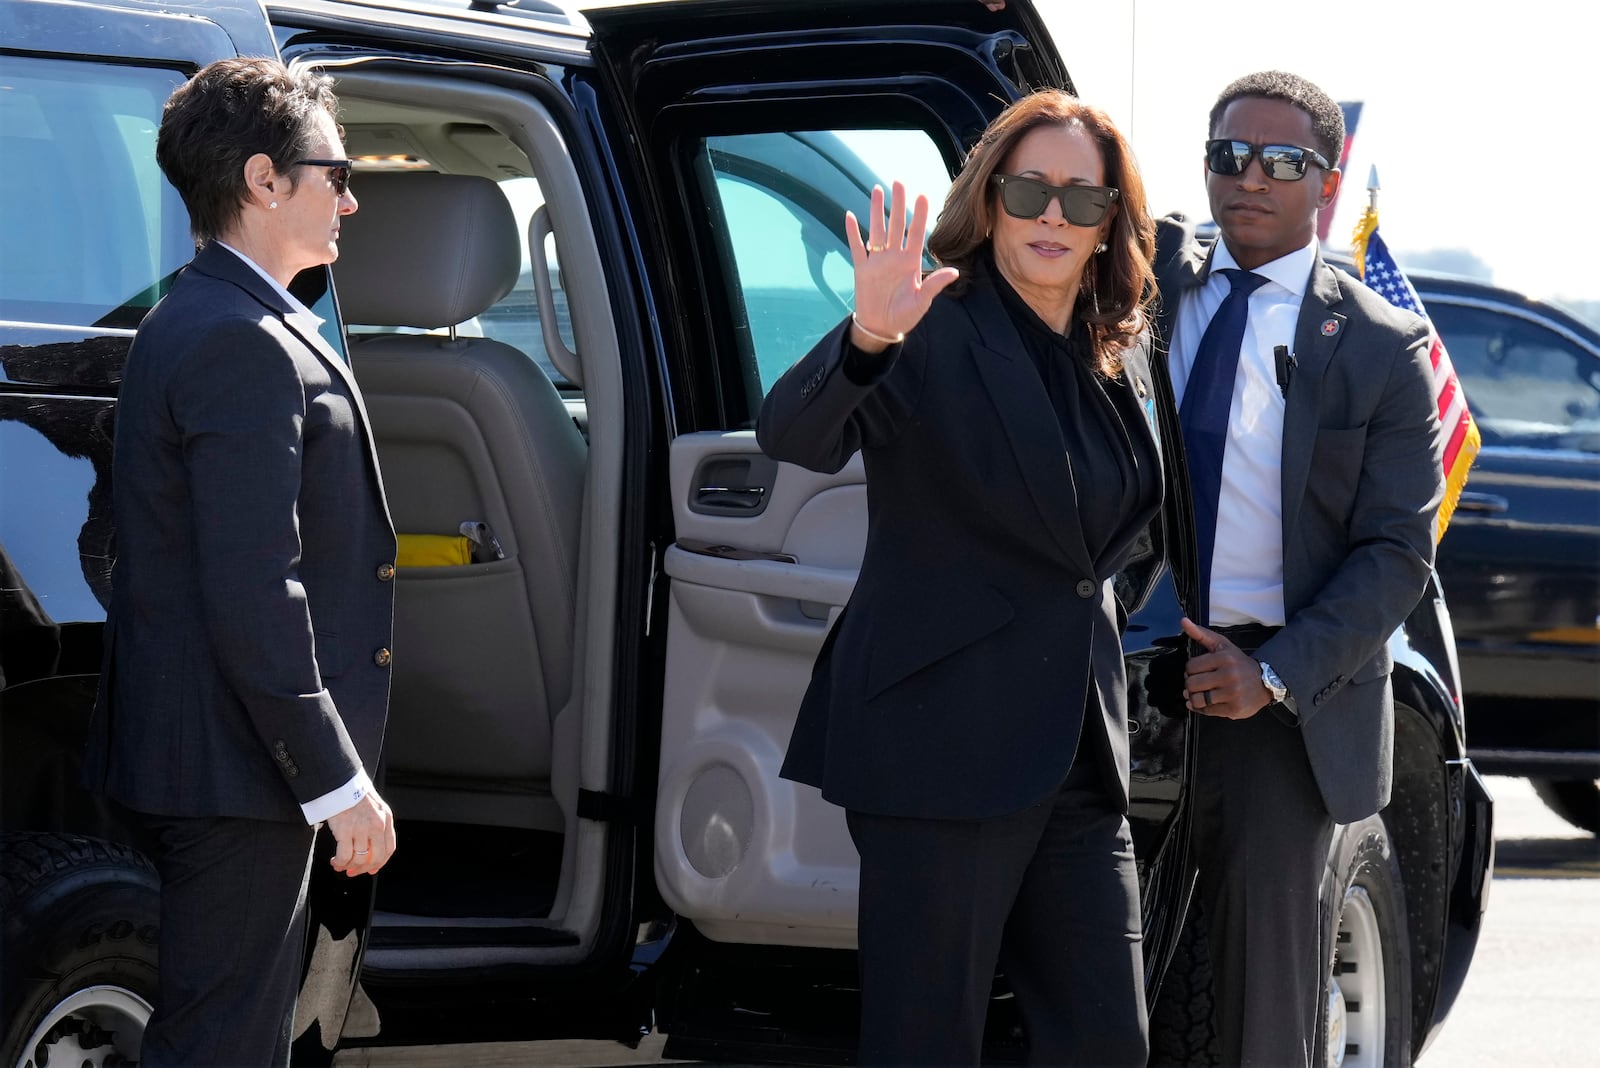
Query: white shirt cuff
point(336, 801)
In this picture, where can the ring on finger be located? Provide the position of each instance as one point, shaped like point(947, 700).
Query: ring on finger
point(362, 852)
point(877, 248)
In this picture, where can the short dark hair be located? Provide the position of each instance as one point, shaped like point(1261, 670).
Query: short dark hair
point(1327, 118)
point(228, 112)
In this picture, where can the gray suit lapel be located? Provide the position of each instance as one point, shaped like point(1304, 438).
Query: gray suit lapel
point(1184, 272)
point(1317, 335)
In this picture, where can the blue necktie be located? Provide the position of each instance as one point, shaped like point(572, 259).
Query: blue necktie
point(1207, 399)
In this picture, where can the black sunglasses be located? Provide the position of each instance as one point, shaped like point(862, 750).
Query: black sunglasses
point(338, 171)
point(1027, 198)
point(1282, 163)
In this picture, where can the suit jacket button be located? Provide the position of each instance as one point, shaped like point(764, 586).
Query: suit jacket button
point(381, 658)
point(1085, 589)
point(385, 571)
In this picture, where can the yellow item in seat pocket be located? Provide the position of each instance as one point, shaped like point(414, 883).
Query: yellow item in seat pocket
point(432, 550)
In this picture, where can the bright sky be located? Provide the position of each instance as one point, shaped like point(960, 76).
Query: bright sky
point(1481, 118)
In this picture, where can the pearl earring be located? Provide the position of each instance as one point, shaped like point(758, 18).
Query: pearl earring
point(275, 204)
point(1101, 247)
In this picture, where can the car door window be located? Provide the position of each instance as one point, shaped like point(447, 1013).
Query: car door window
point(77, 172)
point(1527, 385)
point(782, 198)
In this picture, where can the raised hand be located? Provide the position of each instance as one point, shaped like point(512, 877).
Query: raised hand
point(891, 294)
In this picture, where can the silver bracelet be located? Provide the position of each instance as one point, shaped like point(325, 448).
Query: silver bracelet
point(897, 339)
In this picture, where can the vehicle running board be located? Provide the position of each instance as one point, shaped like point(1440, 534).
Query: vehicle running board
point(454, 936)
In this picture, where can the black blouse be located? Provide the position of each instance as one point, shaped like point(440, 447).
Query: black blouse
point(1109, 489)
point(1094, 437)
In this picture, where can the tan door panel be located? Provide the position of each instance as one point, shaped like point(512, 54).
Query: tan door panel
point(745, 855)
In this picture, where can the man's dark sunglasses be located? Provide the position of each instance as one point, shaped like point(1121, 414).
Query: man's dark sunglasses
point(338, 171)
point(1027, 198)
point(1282, 163)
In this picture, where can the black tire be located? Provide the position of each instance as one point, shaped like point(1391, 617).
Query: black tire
point(1182, 1032)
point(1371, 896)
point(79, 923)
point(1367, 991)
point(1575, 800)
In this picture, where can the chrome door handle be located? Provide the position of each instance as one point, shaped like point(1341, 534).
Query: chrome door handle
point(1484, 503)
point(731, 496)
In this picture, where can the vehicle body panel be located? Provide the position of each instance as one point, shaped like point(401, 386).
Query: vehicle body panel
point(712, 878)
point(1521, 560)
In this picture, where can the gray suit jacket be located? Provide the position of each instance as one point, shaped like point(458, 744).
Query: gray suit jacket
point(1361, 483)
point(248, 598)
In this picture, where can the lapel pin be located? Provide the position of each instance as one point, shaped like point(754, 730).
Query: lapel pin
point(1330, 327)
point(1140, 387)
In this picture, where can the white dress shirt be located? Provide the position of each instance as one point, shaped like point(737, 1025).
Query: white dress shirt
point(1247, 564)
point(337, 800)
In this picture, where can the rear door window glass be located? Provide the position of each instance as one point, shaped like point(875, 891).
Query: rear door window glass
point(782, 198)
point(1527, 385)
point(92, 233)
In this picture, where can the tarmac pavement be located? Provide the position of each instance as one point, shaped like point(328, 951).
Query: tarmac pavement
point(1532, 997)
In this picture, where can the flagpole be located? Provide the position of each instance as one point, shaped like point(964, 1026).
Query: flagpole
point(1372, 188)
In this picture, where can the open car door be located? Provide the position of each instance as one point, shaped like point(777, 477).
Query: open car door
point(751, 138)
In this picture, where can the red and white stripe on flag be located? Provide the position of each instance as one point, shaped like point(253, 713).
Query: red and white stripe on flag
point(1461, 438)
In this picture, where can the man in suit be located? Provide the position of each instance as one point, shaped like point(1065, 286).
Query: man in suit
point(1312, 439)
point(246, 676)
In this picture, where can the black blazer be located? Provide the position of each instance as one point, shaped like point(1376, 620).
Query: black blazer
point(249, 602)
point(954, 683)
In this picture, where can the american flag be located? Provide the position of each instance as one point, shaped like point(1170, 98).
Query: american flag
point(1379, 270)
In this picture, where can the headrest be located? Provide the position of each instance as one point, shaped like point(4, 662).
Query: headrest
point(425, 250)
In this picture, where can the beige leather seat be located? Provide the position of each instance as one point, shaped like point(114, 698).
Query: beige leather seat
point(467, 429)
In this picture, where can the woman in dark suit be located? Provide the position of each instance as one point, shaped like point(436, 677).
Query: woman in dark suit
point(969, 709)
point(246, 681)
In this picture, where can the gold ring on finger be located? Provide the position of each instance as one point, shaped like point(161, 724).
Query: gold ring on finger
point(877, 248)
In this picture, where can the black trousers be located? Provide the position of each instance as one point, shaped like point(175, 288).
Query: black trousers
point(1261, 834)
point(1049, 893)
point(232, 940)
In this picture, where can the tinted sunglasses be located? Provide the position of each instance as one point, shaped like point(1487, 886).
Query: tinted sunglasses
point(1282, 163)
point(1027, 198)
point(338, 171)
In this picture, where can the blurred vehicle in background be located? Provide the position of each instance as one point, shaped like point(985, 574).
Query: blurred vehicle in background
point(1521, 560)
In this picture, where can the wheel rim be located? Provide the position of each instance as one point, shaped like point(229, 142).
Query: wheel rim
point(1357, 1005)
point(99, 1025)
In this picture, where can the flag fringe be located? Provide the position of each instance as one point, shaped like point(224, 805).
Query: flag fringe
point(1456, 478)
point(1366, 226)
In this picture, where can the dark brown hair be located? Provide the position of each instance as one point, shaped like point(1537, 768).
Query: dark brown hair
point(225, 114)
point(1117, 283)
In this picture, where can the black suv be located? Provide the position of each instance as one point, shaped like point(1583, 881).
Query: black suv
point(1521, 560)
point(586, 728)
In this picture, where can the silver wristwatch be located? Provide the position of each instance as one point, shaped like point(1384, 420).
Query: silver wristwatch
point(1274, 685)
